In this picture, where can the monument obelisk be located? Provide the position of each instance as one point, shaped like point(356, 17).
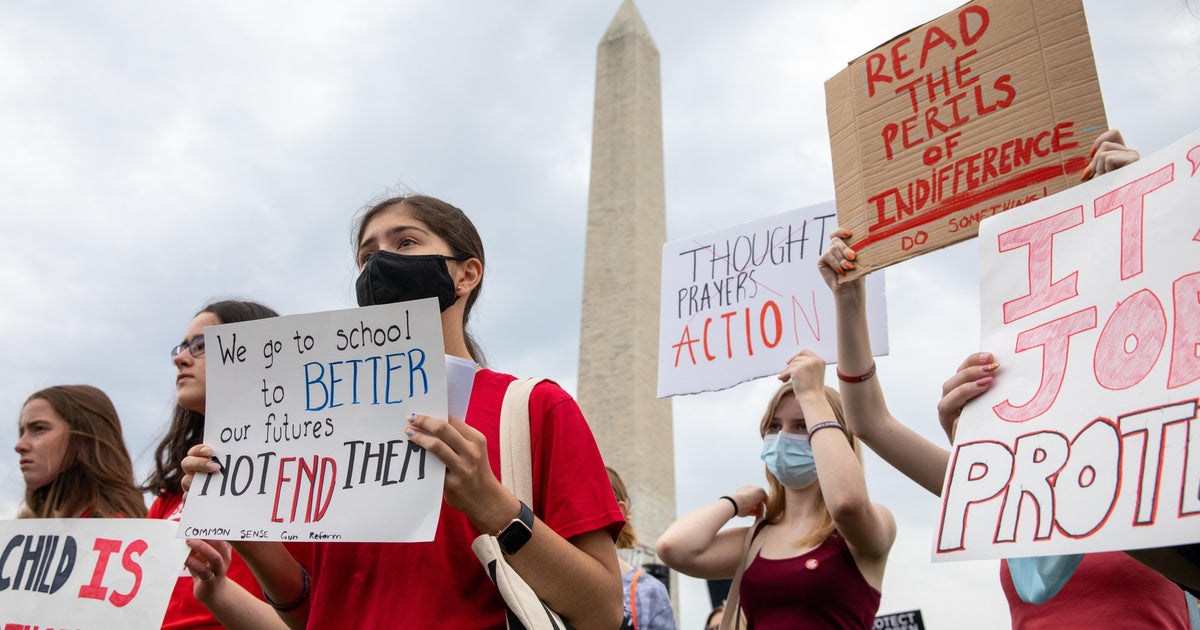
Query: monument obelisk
point(626, 229)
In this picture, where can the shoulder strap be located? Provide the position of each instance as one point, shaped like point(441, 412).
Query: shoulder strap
point(516, 462)
point(633, 598)
point(732, 618)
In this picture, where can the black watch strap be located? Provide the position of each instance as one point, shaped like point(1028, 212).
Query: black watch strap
point(517, 532)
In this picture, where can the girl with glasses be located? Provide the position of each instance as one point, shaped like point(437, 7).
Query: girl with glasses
point(214, 575)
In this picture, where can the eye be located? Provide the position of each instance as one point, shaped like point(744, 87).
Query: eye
point(406, 241)
point(774, 427)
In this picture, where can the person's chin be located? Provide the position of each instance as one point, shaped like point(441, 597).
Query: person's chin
point(33, 480)
point(191, 403)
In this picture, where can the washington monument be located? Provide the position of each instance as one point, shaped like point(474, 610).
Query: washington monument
point(626, 228)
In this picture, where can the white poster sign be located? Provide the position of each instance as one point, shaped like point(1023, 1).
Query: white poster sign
point(738, 303)
point(307, 416)
point(1088, 441)
point(87, 573)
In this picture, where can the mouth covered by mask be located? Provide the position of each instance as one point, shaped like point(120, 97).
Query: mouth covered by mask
point(388, 277)
point(790, 458)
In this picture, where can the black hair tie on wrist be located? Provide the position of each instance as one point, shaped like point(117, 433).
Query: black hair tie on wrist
point(733, 503)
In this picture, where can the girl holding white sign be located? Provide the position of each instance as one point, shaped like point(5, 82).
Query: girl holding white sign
point(562, 544)
point(816, 558)
point(1107, 589)
point(214, 576)
point(73, 456)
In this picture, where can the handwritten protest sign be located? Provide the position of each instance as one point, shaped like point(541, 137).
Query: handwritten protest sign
point(986, 108)
point(307, 416)
point(1088, 441)
point(87, 574)
point(738, 303)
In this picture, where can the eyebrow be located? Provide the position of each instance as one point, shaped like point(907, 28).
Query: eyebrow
point(390, 234)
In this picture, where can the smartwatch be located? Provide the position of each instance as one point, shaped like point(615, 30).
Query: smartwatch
point(517, 532)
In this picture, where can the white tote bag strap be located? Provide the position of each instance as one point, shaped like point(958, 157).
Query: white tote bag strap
point(516, 462)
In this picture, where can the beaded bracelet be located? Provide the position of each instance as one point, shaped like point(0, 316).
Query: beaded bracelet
point(732, 502)
point(825, 425)
point(847, 378)
point(290, 606)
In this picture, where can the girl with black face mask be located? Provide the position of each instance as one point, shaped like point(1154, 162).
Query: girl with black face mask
point(417, 247)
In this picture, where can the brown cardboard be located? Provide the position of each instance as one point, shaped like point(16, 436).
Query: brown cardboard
point(1015, 107)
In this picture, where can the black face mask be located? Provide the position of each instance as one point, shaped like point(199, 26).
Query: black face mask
point(389, 277)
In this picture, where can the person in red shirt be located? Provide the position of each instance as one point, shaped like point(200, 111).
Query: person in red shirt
point(415, 247)
point(212, 573)
point(1108, 589)
point(73, 458)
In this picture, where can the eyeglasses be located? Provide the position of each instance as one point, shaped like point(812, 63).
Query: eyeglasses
point(195, 347)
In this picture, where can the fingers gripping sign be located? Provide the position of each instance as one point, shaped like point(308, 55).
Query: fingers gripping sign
point(805, 371)
point(471, 487)
point(974, 376)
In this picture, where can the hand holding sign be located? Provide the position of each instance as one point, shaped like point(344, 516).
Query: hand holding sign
point(974, 376)
point(312, 433)
point(1090, 442)
point(471, 487)
point(207, 562)
point(1109, 153)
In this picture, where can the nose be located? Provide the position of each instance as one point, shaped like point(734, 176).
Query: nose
point(180, 361)
point(22, 446)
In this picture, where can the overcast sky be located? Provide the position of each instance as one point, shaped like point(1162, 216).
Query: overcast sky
point(154, 156)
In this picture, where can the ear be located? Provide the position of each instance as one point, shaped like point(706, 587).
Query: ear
point(624, 507)
point(467, 275)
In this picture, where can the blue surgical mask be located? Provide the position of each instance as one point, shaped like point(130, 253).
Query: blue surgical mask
point(790, 458)
point(1038, 579)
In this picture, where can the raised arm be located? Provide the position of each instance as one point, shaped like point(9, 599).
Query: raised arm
point(866, 411)
point(696, 545)
point(282, 578)
point(868, 527)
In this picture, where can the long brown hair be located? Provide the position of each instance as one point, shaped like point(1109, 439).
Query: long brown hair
point(775, 490)
point(453, 226)
point(96, 470)
point(628, 537)
point(187, 427)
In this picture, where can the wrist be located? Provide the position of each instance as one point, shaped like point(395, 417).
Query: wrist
point(848, 293)
point(812, 400)
point(497, 514)
point(732, 502)
point(828, 424)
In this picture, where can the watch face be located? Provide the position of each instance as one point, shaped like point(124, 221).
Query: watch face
point(514, 537)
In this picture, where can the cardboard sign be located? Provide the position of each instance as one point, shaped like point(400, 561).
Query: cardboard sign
point(88, 573)
point(986, 108)
point(1088, 440)
point(738, 303)
point(307, 415)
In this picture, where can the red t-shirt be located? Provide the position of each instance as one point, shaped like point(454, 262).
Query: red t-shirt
point(440, 584)
point(1107, 590)
point(184, 611)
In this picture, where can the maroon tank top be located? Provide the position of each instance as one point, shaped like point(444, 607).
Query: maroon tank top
point(819, 589)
